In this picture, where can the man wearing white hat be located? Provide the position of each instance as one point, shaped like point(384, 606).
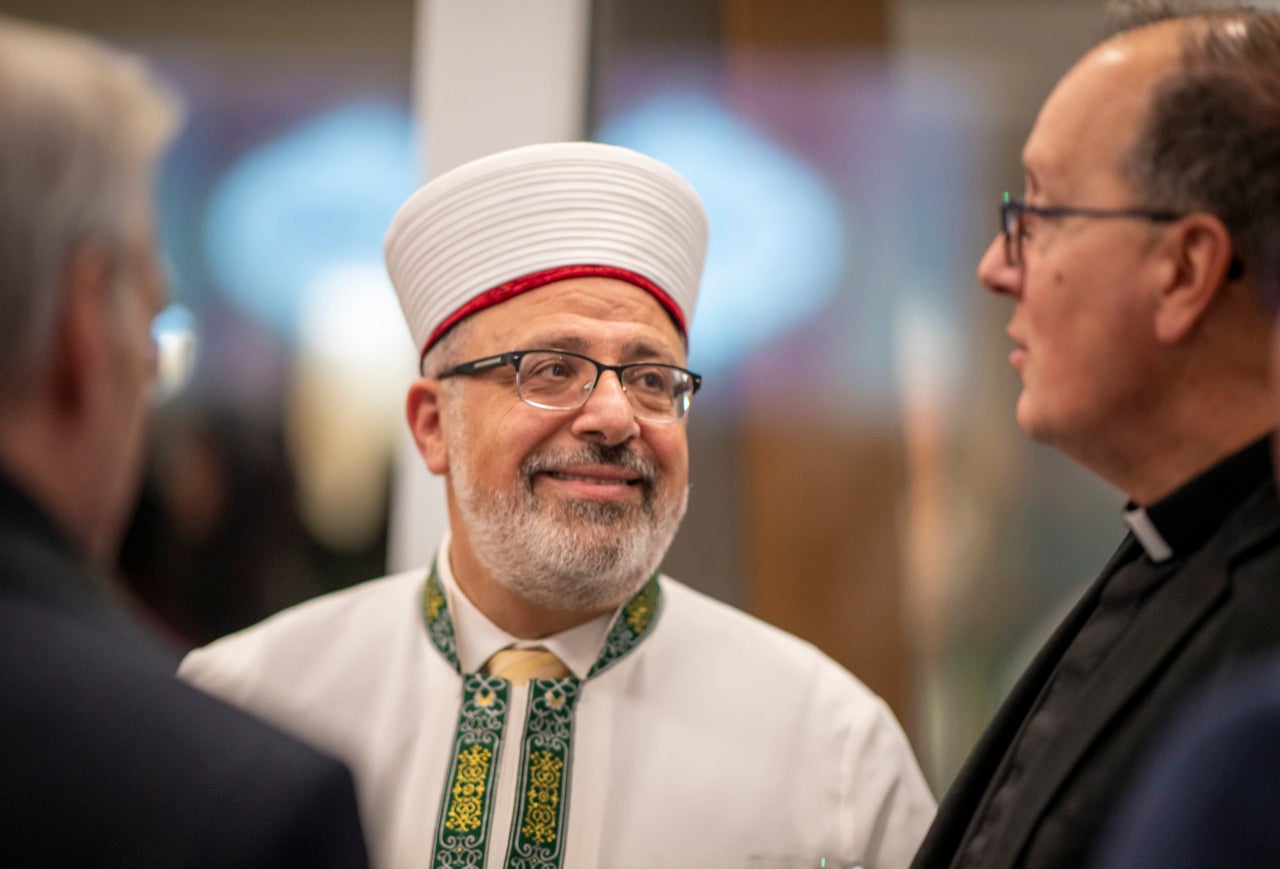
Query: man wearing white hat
point(541, 695)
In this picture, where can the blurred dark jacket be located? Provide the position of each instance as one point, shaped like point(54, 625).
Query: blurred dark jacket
point(1211, 796)
point(106, 759)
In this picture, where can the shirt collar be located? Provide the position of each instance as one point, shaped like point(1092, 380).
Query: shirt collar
point(1180, 522)
point(1139, 522)
point(477, 637)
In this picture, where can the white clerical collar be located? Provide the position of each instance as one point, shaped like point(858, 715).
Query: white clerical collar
point(1158, 549)
point(477, 638)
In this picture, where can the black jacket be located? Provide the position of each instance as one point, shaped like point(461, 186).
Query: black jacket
point(106, 759)
point(1219, 610)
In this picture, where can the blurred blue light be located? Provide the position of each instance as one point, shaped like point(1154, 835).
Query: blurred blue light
point(319, 197)
point(777, 239)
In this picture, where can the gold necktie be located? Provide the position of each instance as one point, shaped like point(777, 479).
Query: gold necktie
point(518, 666)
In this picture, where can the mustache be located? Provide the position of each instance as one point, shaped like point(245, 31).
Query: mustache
point(620, 455)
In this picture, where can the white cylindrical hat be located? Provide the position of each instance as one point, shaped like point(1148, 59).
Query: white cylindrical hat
point(517, 220)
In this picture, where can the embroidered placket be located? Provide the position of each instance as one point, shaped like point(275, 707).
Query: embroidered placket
point(542, 791)
point(462, 833)
point(540, 818)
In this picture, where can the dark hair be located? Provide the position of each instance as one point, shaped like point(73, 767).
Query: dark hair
point(1211, 140)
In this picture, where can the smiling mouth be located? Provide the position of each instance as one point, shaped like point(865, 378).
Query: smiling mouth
point(598, 481)
point(592, 466)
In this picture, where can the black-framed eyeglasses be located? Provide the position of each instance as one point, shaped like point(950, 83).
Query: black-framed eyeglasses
point(560, 380)
point(1014, 228)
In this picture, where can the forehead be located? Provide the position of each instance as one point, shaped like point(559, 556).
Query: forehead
point(1097, 110)
point(593, 314)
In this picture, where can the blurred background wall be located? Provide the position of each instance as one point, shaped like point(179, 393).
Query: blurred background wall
point(857, 475)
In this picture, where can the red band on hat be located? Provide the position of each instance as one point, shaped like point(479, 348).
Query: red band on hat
point(502, 292)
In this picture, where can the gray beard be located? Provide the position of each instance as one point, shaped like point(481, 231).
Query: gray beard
point(568, 555)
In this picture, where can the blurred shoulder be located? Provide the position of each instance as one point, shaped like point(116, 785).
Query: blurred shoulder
point(104, 740)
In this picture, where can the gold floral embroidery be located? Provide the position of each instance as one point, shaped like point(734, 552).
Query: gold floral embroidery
point(468, 790)
point(639, 612)
point(432, 602)
point(540, 814)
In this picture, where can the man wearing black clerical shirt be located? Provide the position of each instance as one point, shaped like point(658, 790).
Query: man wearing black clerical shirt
point(1133, 263)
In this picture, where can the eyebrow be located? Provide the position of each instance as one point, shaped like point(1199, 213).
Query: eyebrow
point(559, 342)
point(646, 351)
point(631, 350)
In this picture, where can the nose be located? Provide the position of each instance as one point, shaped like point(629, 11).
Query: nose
point(607, 416)
point(995, 273)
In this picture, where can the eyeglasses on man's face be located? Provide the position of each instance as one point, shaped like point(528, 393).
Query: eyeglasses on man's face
point(1014, 225)
point(560, 380)
point(174, 336)
point(176, 339)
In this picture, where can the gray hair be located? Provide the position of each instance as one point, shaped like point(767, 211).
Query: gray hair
point(82, 127)
point(1211, 140)
point(444, 353)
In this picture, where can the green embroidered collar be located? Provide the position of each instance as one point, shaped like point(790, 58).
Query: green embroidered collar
point(630, 626)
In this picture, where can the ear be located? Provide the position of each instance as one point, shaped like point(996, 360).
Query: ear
point(1197, 254)
point(82, 340)
point(422, 408)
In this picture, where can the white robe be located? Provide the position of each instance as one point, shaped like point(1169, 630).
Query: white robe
point(716, 738)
